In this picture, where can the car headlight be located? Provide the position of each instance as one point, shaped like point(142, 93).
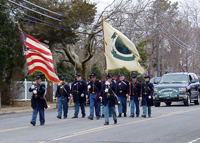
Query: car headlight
point(155, 90)
point(182, 90)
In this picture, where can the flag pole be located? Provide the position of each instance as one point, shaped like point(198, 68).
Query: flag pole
point(104, 52)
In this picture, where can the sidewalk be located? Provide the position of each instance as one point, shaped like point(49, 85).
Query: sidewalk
point(25, 109)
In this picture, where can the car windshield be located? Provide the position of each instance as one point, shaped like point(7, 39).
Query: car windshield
point(174, 79)
point(157, 79)
point(152, 80)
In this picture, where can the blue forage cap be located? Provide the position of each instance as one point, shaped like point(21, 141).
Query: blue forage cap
point(146, 76)
point(38, 77)
point(93, 74)
point(109, 76)
point(121, 74)
point(62, 78)
point(89, 76)
point(134, 76)
point(78, 74)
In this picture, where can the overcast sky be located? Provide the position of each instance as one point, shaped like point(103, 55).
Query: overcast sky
point(101, 4)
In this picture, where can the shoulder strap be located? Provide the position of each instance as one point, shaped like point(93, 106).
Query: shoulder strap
point(65, 90)
point(124, 83)
point(134, 85)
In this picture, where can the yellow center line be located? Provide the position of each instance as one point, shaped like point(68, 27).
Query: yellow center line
point(19, 128)
point(114, 126)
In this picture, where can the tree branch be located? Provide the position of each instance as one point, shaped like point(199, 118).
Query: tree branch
point(69, 56)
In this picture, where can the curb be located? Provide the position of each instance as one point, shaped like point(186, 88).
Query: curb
point(25, 110)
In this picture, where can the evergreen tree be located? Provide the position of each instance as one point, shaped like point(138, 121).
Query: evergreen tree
point(11, 59)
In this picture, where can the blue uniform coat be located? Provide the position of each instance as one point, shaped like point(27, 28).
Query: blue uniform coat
point(61, 92)
point(135, 90)
point(111, 98)
point(146, 94)
point(95, 88)
point(122, 88)
point(39, 97)
point(77, 88)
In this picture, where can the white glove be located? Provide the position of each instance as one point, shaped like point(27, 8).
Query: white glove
point(100, 98)
point(149, 97)
point(70, 95)
point(106, 90)
point(140, 98)
point(34, 91)
point(32, 86)
point(89, 86)
point(82, 95)
point(107, 83)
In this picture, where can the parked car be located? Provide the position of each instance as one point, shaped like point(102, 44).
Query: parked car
point(155, 81)
point(177, 87)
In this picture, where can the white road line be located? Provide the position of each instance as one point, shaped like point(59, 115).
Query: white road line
point(194, 140)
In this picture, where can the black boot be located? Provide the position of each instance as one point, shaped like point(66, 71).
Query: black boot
point(144, 116)
point(102, 116)
point(125, 115)
point(106, 123)
point(90, 118)
point(33, 123)
point(115, 122)
point(120, 115)
point(58, 117)
point(74, 117)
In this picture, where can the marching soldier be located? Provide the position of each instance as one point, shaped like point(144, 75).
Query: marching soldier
point(79, 90)
point(122, 93)
point(94, 88)
point(108, 91)
point(135, 96)
point(147, 96)
point(37, 101)
point(62, 96)
point(114, 79)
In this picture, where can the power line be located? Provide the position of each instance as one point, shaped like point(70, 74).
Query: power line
point(175, 36)
point(182, 47)
point(26, 14)
point(186, 46)
point(50, 24)
point(43, 8)
point(35, 11)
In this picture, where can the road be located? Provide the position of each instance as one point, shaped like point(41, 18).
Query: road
point(172, 124)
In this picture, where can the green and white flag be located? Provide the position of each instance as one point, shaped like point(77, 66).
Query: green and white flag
point(120, 52)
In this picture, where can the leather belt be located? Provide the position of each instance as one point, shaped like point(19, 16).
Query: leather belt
point(93, 92)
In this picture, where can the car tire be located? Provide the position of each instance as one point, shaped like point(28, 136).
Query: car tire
point(168, 103)
point(157, 104)
point(196, 102)
point(187, 102)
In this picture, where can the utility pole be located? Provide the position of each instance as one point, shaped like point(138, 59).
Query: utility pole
point(0, 99)
point(157, 36)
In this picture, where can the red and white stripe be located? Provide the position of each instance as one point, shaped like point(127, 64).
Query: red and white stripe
point(39, 58)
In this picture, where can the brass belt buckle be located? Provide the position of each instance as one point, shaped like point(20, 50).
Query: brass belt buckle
point(133, 93)
point(77, 91)
point(120, 91)
point(145, 93)
point(93, 92)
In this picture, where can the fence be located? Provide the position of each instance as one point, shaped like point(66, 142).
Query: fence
point(25, 95)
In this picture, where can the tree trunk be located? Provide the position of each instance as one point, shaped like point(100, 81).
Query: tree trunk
point(84, 74)
point(49, 94)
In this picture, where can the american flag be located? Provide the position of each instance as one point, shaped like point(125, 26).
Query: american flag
point(38, 57)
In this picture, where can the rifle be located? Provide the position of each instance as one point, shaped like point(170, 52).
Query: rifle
point(141, 91)
point(73, 83)
point(129, 104)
